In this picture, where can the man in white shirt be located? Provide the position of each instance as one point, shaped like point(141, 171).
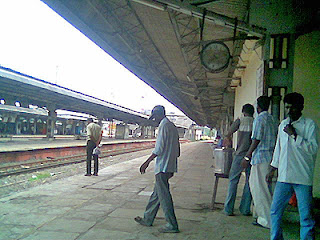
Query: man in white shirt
point(166, 152)
point(294, 157)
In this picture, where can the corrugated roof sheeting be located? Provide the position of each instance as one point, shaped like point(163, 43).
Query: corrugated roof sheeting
point(158, 25)
point(162, 47)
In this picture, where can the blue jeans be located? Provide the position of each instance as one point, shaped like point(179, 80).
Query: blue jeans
point(234, 177)
point(281, 197)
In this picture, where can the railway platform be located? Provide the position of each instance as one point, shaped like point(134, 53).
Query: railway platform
point(103, 207)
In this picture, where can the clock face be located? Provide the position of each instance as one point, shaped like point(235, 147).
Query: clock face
point(215, 56)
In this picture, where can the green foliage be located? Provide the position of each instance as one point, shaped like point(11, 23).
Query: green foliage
point(39, 176)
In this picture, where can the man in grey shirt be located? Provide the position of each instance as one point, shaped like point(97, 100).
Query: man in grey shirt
point(243, 126)
point(166, 152)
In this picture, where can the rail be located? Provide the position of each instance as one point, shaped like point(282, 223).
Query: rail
point(48, 158)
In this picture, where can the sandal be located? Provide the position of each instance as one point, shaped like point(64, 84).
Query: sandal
point(168, 230)
point(141, 221)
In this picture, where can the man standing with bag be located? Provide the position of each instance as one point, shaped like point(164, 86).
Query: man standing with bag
point(166, 152)
point(94, 135)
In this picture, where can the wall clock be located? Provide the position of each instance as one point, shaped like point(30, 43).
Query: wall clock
point(215, 56)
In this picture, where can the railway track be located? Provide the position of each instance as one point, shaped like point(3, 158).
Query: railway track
point(39, 164)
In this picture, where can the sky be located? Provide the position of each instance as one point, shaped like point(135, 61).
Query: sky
point(37, 41)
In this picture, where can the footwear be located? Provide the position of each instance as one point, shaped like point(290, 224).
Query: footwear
point(255, 223)
point(227, 214)
point(168, 230)
point(247, 214)
point(141, 221)
point(88, 174)
point(95, 174)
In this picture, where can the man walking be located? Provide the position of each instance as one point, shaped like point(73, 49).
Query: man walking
point(166, 152)
point(259, 156)
point(94, 135)
point(294, 157)
point(244, 127)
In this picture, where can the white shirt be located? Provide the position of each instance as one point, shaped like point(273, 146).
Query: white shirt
point(167, 147)
point(295, 159)
point(93, 132)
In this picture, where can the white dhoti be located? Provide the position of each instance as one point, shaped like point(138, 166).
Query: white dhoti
point(261, 193)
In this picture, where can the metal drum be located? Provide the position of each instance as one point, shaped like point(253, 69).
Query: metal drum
point(223, 160)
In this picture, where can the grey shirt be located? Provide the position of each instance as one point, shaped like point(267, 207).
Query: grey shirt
point(244, 127)
point(167, 147)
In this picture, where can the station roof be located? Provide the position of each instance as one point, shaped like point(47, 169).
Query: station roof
point(160, 41)
point(20, 87)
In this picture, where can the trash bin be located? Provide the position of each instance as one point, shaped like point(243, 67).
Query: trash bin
point(223, 160)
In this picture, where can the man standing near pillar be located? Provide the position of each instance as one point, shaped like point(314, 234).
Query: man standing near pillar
point(166, 152)
point(294, 157)
point(94, 135)
point(243, 126)
point(259, 156)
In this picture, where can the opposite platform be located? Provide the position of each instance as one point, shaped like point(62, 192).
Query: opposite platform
point(26, 143)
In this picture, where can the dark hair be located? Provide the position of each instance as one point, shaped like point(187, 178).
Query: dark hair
point(263, 102)
point(248, 108)
point(294, 98)
point(159, 110)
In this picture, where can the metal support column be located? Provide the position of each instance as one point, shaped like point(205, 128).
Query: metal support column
point(51, 122)
point(275, 103)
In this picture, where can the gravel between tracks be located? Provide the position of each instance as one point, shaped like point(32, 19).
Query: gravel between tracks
point(17, 183)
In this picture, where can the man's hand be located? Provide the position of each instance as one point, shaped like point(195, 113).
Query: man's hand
point(227, 142)
point(270, 175)
point(290, 130)
point(244, 163)
point(144, 166)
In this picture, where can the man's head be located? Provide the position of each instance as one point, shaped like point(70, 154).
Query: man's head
point(89, 120)
point(263, 103)
point(248, 110)
point(158, 113)
point(293, 105)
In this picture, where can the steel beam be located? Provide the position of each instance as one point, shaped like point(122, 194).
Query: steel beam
point(142, 50)
point(216, 18)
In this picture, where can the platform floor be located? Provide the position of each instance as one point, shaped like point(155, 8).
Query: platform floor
point(103, 207)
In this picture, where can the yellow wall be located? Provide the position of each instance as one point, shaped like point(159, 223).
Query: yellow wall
point(246, 93)
point(306, 80)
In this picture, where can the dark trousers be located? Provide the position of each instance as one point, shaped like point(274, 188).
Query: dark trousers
point(90, 146)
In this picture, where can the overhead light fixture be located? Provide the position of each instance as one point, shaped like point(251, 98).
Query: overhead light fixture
point(155, 5)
